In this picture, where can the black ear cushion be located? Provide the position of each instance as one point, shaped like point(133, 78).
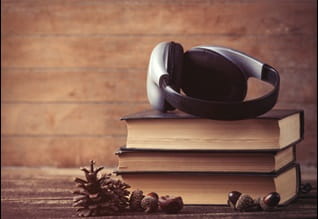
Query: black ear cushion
point(175, 65)
point(210, 76)
point(174, 68)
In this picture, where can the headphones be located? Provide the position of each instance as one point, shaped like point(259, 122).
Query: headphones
point(207, 81)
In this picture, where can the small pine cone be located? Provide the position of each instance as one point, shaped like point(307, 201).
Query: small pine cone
point(99, 196)
point(118, 192)
point(135, 200)
point(149, 204)
point(245, 203)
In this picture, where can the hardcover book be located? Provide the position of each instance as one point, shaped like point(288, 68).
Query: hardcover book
point(277, 129)
point(134, 160)
point(213, 188)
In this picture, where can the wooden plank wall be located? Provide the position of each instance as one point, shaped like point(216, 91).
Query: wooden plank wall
point(71, 69)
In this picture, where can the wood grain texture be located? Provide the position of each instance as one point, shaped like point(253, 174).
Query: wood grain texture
point(121, 85)
point(133, 51)
point(59, 151)
point(46, 193)
point(66, 118)
point(143, 17)
point(71, 69)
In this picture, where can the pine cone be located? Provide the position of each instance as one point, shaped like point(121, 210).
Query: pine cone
point(99, 196)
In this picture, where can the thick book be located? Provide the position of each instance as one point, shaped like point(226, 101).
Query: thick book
point(213, 188)
point(274, 130)
point(132, 159)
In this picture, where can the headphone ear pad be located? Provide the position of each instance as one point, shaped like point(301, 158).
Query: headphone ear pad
point(210, 76)
point(175, 65)
point(174, 68)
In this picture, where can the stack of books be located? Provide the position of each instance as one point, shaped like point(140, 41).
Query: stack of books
point(202, 160)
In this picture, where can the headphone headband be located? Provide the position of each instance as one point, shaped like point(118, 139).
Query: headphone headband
point(160, 89)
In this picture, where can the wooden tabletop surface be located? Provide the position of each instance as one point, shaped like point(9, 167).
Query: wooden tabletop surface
point(46, 193)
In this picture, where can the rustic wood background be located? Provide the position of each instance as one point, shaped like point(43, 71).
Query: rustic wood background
point(71, 69)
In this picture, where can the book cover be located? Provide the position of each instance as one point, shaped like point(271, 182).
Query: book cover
point(274, 130)
point(136, 159)
point(212, 188)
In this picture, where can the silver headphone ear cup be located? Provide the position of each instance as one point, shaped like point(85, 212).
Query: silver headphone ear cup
point(157, 69)
point(155, 94)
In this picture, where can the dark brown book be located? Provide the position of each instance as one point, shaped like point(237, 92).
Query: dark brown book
point(272, 131)
point(213, 188)
point(134, 160)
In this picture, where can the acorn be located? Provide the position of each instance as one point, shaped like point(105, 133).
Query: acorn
point(232, 198)
point(150, 202)
point(269, 201)
point(171, 204)
point(305, 188)
point(135, 200)
point(241, 202)
point(245, 203)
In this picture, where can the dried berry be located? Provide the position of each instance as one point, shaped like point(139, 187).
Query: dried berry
point(171, 204)
point(150, 202)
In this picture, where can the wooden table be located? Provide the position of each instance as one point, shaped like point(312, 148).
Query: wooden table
point(46, 193)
